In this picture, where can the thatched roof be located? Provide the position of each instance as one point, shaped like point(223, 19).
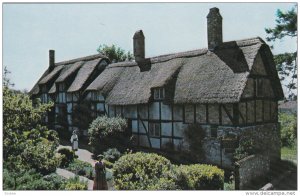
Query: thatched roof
point(83, 74)
point(63, 70)
point(200, 76)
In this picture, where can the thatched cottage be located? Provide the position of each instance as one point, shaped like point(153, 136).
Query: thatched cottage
point(229, 88)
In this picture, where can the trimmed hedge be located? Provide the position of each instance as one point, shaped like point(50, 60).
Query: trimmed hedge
point(149, 171)
point(81, 168)
point(143, 171)
point(200, 177)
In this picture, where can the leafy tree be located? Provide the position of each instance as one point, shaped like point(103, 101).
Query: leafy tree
point(82, 116)
point(114, 53)
point(105, 132)
point(288, 129)
point(26, 143)
point(286, 64)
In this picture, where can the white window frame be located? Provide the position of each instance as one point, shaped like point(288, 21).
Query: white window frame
point(158, 93)
point(154, 129)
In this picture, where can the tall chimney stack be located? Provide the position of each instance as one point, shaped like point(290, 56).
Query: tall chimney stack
point(51, 59)
point(214, 28)
point(139, 46)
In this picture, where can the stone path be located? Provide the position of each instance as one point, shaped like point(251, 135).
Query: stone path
point(67, 174)
point(83, 155)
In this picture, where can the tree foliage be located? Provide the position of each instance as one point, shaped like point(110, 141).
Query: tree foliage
point(286, 25)
point(114, 53)
point(288, 130)
point(27, 144)
point(286, 64)
point(105, 132)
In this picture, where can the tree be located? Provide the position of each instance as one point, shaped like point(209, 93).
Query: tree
point(26, 143)
point(286, 64)
point(114, 53)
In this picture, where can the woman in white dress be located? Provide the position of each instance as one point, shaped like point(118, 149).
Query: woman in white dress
point(74, 141)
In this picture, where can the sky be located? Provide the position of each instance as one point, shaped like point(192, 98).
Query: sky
point(75, 30)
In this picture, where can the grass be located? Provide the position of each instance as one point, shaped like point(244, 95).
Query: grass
point(289, 153)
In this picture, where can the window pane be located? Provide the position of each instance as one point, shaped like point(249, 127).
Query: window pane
point(161, 93)
point(156, 94)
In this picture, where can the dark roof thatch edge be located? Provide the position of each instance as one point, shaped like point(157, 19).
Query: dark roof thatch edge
point(36, 86)
point(86, 58)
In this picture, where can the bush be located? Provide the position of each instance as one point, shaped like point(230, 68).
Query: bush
point(288, 129)
point(56, 182)
point(31, 180)
point(112, 154)
point(143, 171)
point(108, 164)
point(200, 177)
point(76, 184)
point(41, 157)
point(194, 134)
point(81, 168)
point(105, 132)
point(68, 157)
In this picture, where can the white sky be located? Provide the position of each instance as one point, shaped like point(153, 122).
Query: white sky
point(76, 30)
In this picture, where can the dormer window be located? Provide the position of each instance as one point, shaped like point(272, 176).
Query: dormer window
point(159, 93)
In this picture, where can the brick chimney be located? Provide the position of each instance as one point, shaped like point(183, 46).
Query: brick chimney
point(139, 46)
point(214, 28)
point(51, 59)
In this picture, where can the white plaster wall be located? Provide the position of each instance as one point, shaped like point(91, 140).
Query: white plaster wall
point(141, 127)
point(155, 143)
point(154, 111)
point(178, 129)
point(166, 112)
point(134, 125)
point(166, 129)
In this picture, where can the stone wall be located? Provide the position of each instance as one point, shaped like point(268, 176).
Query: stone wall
point(249, 169)
point(266, 142)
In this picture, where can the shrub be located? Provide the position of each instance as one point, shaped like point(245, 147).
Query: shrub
point(81, 168)
point(31, 180)
point(68, 156)
point(246, 148)
point(112, 154)
point(199, 177)
point(143, 171)
point(194, 134)
point(105, 132)
point(288, 129)
point(56, 182)
point(41, 157)
point(108, 164)
point(76, 184)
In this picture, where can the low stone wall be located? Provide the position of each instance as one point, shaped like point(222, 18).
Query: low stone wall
point(249, 169)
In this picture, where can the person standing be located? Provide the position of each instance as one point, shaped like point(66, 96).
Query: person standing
point(100, 182)
point(74, 141)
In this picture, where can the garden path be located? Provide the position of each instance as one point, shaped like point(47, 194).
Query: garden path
point(67, 174)
point(83, 155)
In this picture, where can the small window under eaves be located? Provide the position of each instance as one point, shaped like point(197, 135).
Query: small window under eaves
point(158, 93)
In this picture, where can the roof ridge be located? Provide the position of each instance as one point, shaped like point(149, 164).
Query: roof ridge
point(190, 53)
point(85, 58)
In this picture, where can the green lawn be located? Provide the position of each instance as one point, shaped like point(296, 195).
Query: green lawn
point(289, 153)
